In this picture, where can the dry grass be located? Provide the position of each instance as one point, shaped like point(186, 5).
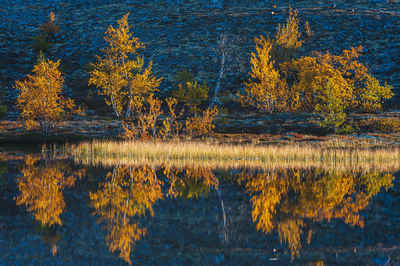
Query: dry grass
point(332, 155)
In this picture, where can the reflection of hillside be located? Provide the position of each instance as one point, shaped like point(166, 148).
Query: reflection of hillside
point(41, 189)
point(286, 200)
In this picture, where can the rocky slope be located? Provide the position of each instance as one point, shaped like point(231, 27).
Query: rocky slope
point(183, 34)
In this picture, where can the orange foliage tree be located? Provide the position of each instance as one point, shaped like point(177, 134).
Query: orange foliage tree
point(287, 38)
point(327, 85)
point(265, 89)
point(40, 99)
point(119, 72)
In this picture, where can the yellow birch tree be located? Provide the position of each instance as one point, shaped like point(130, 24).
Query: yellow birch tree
point(40, 99)
point(119, 72)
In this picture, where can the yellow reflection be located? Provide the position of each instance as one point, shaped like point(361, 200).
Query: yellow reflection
point(41, 190)
point(286, 200)
point(52, 238)
point(129, 192)
point(190, 182)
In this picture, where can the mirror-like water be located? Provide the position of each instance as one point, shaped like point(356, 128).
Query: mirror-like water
point(58, 211)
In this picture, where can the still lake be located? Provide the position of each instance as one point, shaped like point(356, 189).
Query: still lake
point(54, 210)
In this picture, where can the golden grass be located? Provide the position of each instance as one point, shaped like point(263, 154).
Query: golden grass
point(328, 155)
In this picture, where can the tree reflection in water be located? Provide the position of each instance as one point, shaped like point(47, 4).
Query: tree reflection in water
point(131, 191)
point(190, 182)
point(41, 191)
point(128, 192)
point(286, 200)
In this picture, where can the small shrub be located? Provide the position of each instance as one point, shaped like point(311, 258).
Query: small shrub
point(346, 130)
point(3, 111)
point(171, 125)
point(50, 28)
point(183, 77)
point(191, 94)
point(201, 125)
point(373, 95)
point(307, 29)
point(380, 124)
point(41, 43)
point(3, 108)
point(145, 128)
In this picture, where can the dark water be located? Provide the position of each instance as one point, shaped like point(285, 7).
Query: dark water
point(54, 211)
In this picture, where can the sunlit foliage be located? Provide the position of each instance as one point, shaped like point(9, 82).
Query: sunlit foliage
point(287, 38)
point(40, 100)
point(199, 125)
point(327, 85)
point(307, 29)
point(171, 125)
point(192, 95)
point(286, 200)
point(120, 71)
point(41, 189)
point(144, 125)
point(264, 90)
point(129, 192)
point(373, 94)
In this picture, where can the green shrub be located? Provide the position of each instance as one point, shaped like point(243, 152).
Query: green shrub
point(380, 124)
point(345, 130)
point(3, 111)
point(330, 109)
point(3, 108)
point(41, 43)
point(189, 92)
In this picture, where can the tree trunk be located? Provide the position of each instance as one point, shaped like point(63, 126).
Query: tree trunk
point(224, 226)
point(129, 108)
point(218, 85)
point(114, 106)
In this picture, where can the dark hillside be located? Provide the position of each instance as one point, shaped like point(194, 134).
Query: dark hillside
point(180, 34)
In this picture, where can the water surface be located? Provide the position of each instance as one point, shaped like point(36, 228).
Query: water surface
point(56, 211)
